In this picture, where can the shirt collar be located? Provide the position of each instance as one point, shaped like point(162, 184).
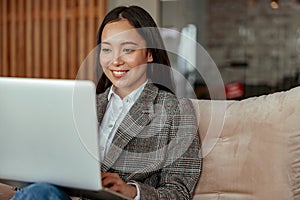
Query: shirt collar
point(133, 96)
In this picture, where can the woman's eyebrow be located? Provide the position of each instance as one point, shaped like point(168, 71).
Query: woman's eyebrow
point(122, 43)
point(130, 42)
point(105, 43)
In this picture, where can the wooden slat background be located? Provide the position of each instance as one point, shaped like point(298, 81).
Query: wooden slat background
point(48, 38)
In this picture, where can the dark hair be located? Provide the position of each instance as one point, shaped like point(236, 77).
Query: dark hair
point(139, 18)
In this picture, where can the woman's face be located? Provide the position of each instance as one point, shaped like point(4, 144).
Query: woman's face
point(124, 56)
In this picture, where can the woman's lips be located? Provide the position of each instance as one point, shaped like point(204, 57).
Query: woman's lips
point(119, 73)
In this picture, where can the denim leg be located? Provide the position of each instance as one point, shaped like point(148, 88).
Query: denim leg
point(40, 191)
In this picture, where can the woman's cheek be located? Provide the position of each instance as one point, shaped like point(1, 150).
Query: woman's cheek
point(105, 61)
point(104, 65)
point(131, 61)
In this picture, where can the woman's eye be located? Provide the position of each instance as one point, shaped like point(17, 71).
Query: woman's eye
point(127, 50)
point(105, 50)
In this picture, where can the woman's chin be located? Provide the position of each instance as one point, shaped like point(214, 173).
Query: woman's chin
point(121, 84)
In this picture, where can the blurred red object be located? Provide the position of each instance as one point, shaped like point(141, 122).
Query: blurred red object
point(234, 90)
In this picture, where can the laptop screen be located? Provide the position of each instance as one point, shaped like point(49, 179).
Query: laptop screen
point(48, 132)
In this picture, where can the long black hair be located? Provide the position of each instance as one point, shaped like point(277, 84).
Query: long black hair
point(159, 71)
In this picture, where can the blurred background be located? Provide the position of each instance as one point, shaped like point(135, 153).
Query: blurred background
point(254, 43)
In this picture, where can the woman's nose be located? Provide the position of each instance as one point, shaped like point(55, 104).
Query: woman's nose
point(118, 60)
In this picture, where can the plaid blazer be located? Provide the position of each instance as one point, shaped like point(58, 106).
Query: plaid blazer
point(156, 145)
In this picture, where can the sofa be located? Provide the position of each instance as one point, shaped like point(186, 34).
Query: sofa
point(251, 148)
point(256, 152)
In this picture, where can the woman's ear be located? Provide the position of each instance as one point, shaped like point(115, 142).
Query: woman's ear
point(149, 56)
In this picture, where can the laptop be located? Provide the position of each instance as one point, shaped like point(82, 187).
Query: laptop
point(48, 133)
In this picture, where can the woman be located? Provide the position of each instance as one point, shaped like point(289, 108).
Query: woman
point(150, 148)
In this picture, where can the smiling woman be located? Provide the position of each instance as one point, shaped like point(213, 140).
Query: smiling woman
point(148, 138)
point(139, 114)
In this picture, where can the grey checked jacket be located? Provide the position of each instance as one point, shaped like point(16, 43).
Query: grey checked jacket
point(156, 145)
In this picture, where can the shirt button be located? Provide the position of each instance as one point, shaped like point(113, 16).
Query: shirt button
point(110, 126)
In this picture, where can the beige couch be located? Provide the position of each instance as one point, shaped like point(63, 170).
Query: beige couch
point(257, 153)
point(251, 148)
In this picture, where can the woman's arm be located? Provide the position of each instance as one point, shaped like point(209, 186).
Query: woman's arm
point(180, 174)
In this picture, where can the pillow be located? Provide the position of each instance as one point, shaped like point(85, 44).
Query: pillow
point(253, 151)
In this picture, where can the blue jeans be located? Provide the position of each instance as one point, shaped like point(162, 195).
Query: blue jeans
point(40, 191)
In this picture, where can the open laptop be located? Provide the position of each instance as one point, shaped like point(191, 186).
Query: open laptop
point(48, 133)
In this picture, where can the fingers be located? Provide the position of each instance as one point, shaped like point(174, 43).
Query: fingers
point(112, 181)
point(115, 183)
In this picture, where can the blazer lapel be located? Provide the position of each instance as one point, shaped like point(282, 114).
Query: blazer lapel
point(102, 102)
point(139, 116)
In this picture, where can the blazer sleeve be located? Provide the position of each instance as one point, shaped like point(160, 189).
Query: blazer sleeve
point(179, 176)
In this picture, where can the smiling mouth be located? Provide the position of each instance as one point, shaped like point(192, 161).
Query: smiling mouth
point(119, 73)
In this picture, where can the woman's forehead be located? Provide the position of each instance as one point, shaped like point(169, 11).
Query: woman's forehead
point(119, 31)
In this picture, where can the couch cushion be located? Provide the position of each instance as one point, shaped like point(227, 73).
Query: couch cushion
point(256, 153)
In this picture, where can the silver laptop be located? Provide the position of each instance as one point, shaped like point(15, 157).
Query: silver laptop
point(48, 133)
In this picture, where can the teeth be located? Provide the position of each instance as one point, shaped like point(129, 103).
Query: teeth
point(119, 72)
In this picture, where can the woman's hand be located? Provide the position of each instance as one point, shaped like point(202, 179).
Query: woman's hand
point(115, 183)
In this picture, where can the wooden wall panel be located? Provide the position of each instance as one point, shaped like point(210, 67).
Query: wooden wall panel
point(36, 40)
point(90, 27)
point(20, 34)
point(13, 38)
point(63, 39)
point(4, 46)
point(72, 44)
point(81, 36)
point(48, 38)
point(54, 39)
point(28, 42)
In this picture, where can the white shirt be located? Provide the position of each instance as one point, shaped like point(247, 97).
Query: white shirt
point(116, 110)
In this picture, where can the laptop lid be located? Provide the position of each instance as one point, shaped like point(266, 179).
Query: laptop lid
point(48, 132)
